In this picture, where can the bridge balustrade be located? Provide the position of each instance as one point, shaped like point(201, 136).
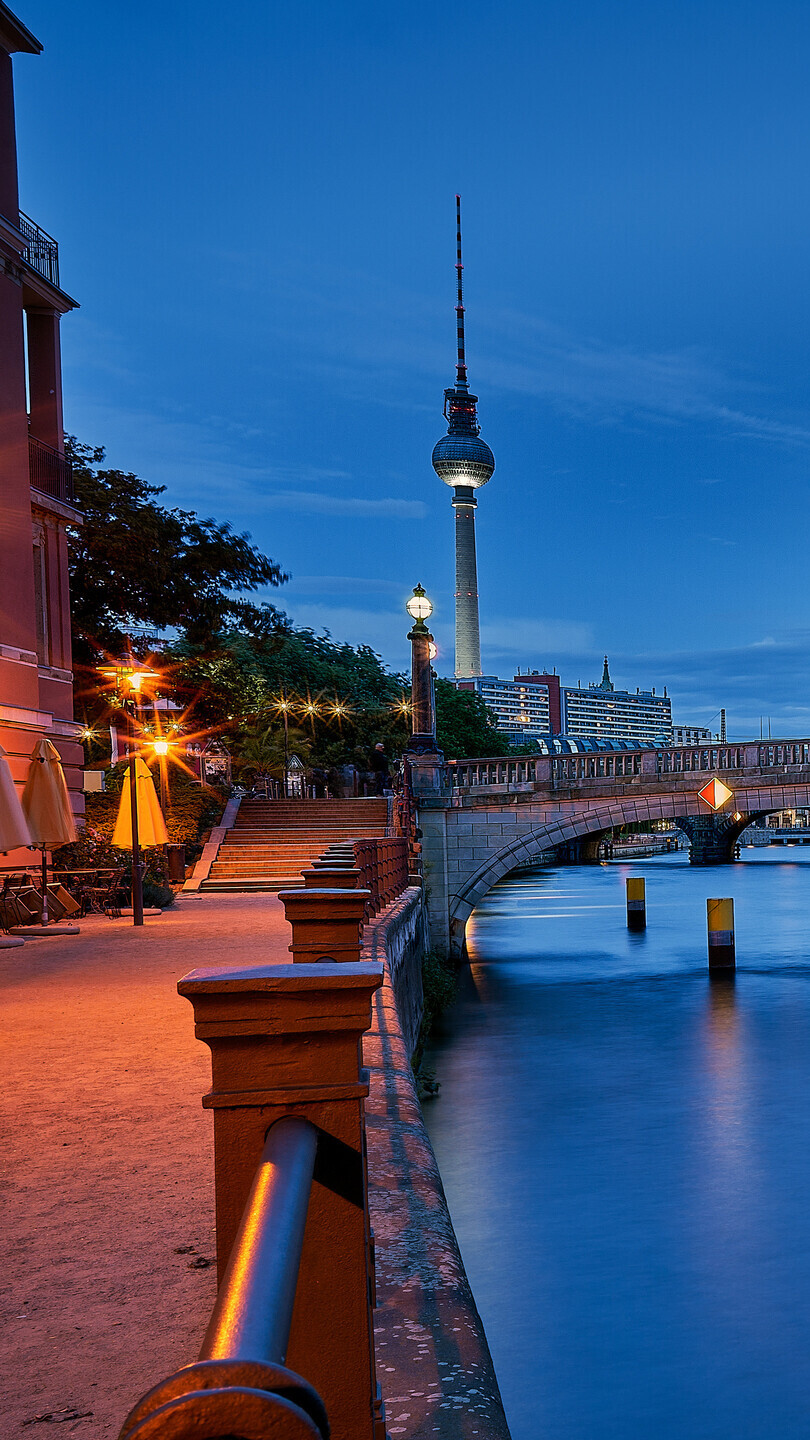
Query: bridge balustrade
point(469, 775)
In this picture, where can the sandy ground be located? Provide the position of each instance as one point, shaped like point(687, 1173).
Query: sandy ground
point(107, 1175)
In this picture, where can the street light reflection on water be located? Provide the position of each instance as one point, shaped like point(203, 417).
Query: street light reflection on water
point(625, 1146)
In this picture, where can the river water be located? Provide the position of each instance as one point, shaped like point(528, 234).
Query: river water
point(625, 1147)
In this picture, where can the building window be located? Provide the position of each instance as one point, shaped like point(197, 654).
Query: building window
point(41, 603)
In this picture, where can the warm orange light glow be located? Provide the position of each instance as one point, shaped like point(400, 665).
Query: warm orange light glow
point(161, 747)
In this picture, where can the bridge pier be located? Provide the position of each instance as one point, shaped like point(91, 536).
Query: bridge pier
point(712, 838)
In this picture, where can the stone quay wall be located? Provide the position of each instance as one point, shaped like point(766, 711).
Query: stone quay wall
point(433, 1360)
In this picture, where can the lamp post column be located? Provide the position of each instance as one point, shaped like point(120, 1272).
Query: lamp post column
point(137, 877)
point(423, 701)
point(284, 710)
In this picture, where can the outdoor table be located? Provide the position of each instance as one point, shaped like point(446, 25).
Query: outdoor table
point(82, 879)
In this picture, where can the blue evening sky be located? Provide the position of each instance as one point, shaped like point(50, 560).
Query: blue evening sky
point(254, 205)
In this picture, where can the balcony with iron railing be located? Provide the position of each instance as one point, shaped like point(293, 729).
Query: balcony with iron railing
point(50, 471)
point(41, 251)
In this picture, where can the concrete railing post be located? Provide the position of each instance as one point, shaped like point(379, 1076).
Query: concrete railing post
point(326, 924)
point(286, 1040)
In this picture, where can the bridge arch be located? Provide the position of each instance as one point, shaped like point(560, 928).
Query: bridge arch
point(563, 828)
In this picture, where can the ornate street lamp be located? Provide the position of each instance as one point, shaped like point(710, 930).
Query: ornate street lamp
point(128, 677)
point(423, 701)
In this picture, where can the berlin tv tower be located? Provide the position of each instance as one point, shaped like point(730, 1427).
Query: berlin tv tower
point(463, 460)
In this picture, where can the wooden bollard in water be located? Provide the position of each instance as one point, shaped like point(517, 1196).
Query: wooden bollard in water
point(636, 904)
point(720, 919)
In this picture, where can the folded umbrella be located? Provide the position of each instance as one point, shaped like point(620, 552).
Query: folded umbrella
point(151, 825)
point(46, 803)
point(13, 825)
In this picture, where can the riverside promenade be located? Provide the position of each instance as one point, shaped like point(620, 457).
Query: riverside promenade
point(108, 1274)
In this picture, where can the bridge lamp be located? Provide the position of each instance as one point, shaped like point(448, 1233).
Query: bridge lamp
point(423, 700)
point(418, 606)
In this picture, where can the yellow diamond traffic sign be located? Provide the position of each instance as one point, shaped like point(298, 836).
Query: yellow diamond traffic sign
point(715, 794)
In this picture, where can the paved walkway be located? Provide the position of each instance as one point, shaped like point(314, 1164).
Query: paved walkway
point(107, 1175)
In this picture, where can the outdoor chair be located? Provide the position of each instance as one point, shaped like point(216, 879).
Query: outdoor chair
point(106, 898)
point(13, 909)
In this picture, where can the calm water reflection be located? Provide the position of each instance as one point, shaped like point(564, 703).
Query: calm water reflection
point(626, 1151)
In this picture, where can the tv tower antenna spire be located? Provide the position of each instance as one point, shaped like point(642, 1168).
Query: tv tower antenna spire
point(463, 460)
point(461, 363)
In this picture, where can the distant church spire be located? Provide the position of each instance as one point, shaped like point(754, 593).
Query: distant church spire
point(606, 682)
point(462, 459)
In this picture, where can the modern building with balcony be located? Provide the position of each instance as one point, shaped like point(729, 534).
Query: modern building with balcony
point(521, 709)
point(36, 680)
point(535, 708)
point(600, 710)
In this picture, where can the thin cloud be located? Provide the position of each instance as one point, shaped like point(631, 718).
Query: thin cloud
point(593, 379)
point(309, 503)
point(344, 585)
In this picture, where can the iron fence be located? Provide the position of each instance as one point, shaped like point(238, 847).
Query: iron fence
point(41, 251)
point(50, 471)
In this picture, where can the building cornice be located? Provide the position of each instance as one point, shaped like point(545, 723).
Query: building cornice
point(16, 38)
point(51, 507)
point(17, 656)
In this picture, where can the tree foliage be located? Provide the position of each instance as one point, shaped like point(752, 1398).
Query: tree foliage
point(464, 725)
point(132, 561)
point(356, 701)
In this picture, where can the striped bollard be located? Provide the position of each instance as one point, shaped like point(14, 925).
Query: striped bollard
point(636, 904)
point(720, 920)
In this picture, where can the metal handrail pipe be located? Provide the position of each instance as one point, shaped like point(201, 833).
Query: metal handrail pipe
point(253, 1311)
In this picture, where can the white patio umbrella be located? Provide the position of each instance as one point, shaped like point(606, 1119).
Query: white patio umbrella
point(46, 803)
point(13, 824)
point(13, 827)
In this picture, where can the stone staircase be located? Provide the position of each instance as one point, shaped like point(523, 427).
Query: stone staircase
point(272, 841)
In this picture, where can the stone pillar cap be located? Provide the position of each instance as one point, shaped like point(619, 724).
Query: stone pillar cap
point(216, 979)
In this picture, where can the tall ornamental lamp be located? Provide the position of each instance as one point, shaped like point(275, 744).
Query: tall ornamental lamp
point(423, 698)
point(128, 677)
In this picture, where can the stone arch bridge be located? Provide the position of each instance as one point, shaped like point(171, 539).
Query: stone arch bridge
point(481, 819)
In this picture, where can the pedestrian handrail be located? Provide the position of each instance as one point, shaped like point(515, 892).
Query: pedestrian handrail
point(240, 1384)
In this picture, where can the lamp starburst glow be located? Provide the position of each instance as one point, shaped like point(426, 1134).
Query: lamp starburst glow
point(127, 675)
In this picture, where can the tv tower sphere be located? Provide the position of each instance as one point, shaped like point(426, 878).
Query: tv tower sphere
point(462, 458)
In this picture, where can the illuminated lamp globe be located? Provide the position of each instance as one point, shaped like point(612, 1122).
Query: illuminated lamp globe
point(463, 460)
point(161, 747)
point(419, 607)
